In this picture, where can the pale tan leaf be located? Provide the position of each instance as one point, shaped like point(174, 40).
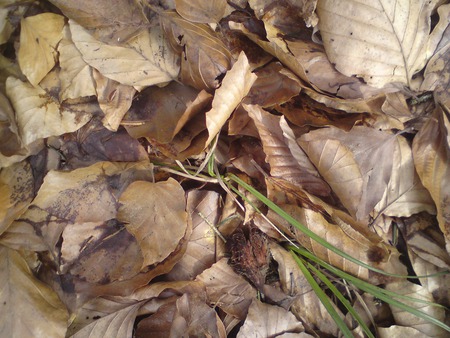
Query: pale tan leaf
point(39, 37)
point(115, 100)
point(432, 160)
point(75, 74)
point(21, 236)
point(115, 21)
point(38, 116)
point(235, 86)
point(29, 307)
point(203, 206)
point(296, 169)
point(115, 325)
point(266, 320)
point(201, 11)
point(306, 305)
point(404, 318)
point(379, 41)
point(205, 57)
point(144, 61)
point(194, 318)
point(16, 192)
point(155, 214)
point(405, 195)
point(357, 165)
point(227, 290)
point(397, 331)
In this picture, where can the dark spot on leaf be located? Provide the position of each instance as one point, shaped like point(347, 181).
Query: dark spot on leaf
point(96, 317)
point(376, 254)
point(37, 40)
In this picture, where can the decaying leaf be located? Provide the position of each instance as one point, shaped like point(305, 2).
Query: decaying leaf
point(143, 61)
point(205, 57)
point(381, 43)
point(235, 85)
point(201, 11)
point(155, 213)
point(103, 17)
point(29, 307)
point(38, 116)
point(432, 160)
point(39, 37)
point(266, 320)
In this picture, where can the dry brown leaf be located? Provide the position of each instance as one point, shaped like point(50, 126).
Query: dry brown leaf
point(102, 16)
point(235, 86)
point(203, 206)
point(201, 11)
point(227, 290)
point(432, 160)
point(155, 213)
point(8, 68)
point(16, 192)
point(10, 143)
point(144, 61)
point(115, 100)
point(194, 318)
point(76, 74)
point(358, 165)
point(306, 305)
point(264, 320)
point(397, 331)
point(29, 307)
point(404, 318)
point(382, 43)
point(37, 114)
point(39, 37)
point(205, 57)
point(287, 160)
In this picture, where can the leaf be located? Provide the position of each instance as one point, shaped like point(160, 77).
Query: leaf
point(38, 116)
point(39, 37)
point(357, 165)
point(115, 325)
point(144, 61)
point(103, 17)
point(75, 75)
point(266, 320)
point(205, 57)
point(201, 249)
point(201, 11)
point(155, 214)
point(115, 100)
point(296, 169)
point(16, 192)
point(29, 307)
point(235, 86)
point(379, 41)
point(432, 160)
point(227, 290)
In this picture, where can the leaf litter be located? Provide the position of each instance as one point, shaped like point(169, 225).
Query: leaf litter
point(121, 123)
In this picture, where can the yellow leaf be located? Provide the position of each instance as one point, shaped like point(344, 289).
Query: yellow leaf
point(201, 11)
point(29, 307)
point(39, 37)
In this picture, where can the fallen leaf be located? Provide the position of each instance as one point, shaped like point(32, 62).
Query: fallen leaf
point(381, 43)
point(144, 61)
point(155, 214)
point(205, 57)
point(10, 143)
point(38, 116)
point(28, 305)
point(203, 206)
point(76, 74)
point(201, 11)
point(266, 320)
point(16, 192)
point(102, 16)
point(39, 37)
point(235, 86)
point(115, 100)
point(432, 157)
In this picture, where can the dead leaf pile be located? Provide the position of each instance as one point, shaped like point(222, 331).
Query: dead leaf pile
point(120, 122)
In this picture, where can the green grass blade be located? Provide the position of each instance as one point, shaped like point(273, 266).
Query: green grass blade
point(324, 298)
point(384, 295)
